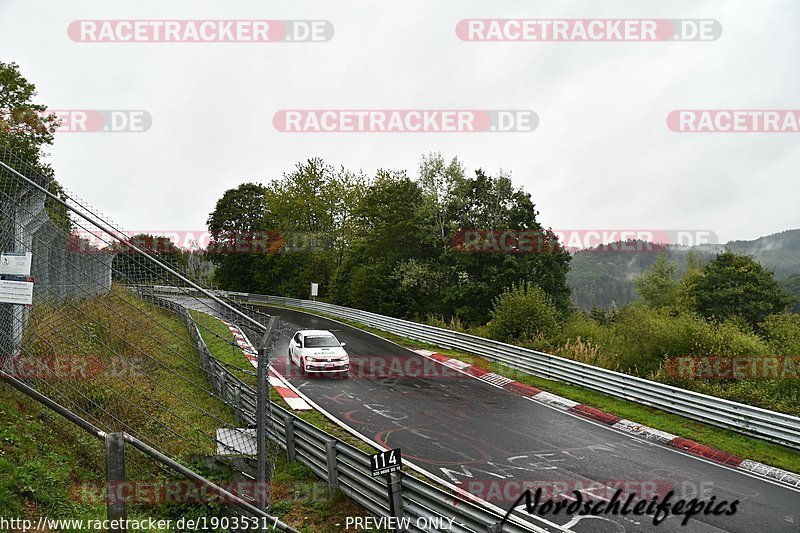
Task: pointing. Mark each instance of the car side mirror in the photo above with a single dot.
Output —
(344, 344)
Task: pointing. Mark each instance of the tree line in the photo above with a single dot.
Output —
(389, 243)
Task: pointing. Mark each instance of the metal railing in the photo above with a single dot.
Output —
(344, 466)
(755, 421)
(115, 464)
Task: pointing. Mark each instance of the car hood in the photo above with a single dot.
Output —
(325, 352)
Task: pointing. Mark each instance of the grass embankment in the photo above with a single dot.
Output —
(719, 438)
(149, 377)
(120, 379)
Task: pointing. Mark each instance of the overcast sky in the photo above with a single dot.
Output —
(602, 156)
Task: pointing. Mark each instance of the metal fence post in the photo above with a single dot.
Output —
(116, 493)
(261, 415)
(261, 429)
(333, 475)
(395, 487)
(288, 429)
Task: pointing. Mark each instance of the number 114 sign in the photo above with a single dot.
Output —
(386, 462)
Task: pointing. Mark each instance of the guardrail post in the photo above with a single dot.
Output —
(288, 429)
(116, 492)
(495, 528)
(237, 398)
(333, 475)
(395, 487)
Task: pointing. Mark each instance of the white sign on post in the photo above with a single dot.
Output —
(315, 289)
(15, 263)
(16, 292)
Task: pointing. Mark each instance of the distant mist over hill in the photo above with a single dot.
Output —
(605, 274)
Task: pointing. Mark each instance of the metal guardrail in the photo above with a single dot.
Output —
(344, 466)
(763, 423)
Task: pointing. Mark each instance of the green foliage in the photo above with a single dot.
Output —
(783, 333)
(685, 295)
(792, 286)
(26, 130)
(640, 339)
(129, 267)
(735, 285)
(600, 276)
(523, 312)
(657, 286)
(779, 252)
(385, 244)
(24, 127)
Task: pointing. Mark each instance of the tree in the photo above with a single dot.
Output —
(657, 286)
(685, 294)
(131, 268)
(239, 218)
(792, 286)
(313, 208)
(735, 285)
(391, 229)
(242, 209)
(783, 333)
(439, 181)
(387, 243)
(523, 312)
(26, 129)
(491, 205)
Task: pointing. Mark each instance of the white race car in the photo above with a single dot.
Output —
(316, 350)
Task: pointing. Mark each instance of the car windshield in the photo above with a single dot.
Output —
(326, 341)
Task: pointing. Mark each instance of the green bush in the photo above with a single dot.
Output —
(782, 331)
(580, 324)
(523, 312)
(643, 338)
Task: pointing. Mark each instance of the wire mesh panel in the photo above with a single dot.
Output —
(89, 338)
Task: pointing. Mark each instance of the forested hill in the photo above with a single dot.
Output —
(600, 276)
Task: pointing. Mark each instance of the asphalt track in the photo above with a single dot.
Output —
(490, 442)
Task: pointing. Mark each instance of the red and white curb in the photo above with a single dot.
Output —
(776, 474)
(278, 382)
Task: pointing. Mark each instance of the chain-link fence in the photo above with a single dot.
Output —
(74, 328)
